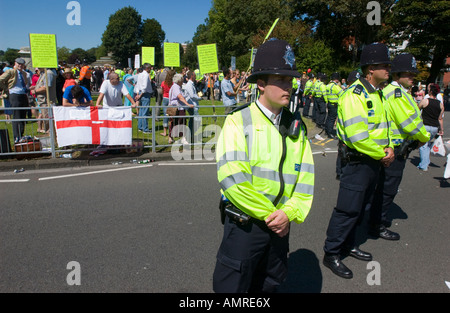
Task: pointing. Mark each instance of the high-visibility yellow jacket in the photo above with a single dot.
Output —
(333, 93)
(260, 170)
(308, 87)
(319, 89)
(406, 120)
(363, 123)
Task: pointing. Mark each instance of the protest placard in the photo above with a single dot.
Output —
(148, 55)
(43, 50)
(171, 54)
(207, 58)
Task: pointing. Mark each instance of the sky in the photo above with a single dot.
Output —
(178, 18)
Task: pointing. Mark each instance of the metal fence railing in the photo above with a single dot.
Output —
(205, 127)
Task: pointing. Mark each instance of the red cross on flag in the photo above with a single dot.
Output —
(91, 125)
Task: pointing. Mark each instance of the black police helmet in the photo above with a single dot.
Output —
(335, 76)
(275, 57)
(376, 53)
(404, 62)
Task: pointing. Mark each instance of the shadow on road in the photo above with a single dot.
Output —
(304, 274)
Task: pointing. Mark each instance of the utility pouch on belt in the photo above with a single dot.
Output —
(406, 147)
(349, 154)
(229, 209)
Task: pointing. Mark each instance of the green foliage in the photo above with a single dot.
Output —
(153, 36)
(123, 33)
(11, 55)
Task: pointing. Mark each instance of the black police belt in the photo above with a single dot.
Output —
(235, 215)
(351, 155)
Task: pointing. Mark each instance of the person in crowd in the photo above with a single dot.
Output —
(98, 78)
(85, 76)
(16, 83)
(192, 98)
(258, 205)
(364, 147)
(433, 119)
(69, 79)
(77, 96)
(333, 93)
(112, 91)
(129, 83)
(228, 92)
(40, 90)
(144, 93)
(165, 88)
(177, 99)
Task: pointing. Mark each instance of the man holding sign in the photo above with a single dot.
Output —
(15, 81)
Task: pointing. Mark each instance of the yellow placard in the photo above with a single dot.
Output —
(207, 58)
(44, 53)
(148, 55)
(171, 54)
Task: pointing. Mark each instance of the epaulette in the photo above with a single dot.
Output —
(358, 89)
(398, 93)
(240, 108)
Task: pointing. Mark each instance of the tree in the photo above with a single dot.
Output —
(231, 24)
(425, 25)
(342, 24)
(123, 34)
(153, 36)
(63, 54)
(11, 55)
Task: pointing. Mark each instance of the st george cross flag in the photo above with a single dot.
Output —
(91, 125)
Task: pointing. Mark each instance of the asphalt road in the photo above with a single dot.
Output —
(155, 228)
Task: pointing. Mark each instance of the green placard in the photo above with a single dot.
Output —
(148, 55)
(207, 58)
(44, 53)
(171, 54)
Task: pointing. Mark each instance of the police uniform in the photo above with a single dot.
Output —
(263, 165)
(320, 105)
(364, 134)
(406, 130)
(333, 93)
(308, 91)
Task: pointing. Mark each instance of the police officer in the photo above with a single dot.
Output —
(320, 105)
(333, 93)
(308, 94)
(407, 133)
(365, 146)
(266, 173)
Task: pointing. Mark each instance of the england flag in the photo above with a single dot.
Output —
(93, 125)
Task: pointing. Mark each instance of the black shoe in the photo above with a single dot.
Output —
(331, 136)
(382, 232)
(359, 254)
(334, 263)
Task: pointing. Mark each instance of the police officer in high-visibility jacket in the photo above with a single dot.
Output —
(320, 105)
(333, 93)
(308, 94)
(364, 146)
(407, 132)
(266, 173)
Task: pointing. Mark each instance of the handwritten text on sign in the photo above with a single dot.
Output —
(207, 58)
(43, 50)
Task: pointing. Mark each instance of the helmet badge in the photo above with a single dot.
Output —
(289, 56)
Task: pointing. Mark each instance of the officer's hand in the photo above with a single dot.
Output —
(389, 158)
(278, 222)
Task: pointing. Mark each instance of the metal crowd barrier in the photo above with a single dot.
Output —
(209, 124)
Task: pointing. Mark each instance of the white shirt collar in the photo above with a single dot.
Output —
(398, 85)
(275, 119)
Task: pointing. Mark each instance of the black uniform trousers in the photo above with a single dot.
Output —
(357, 185)
(307, 106)
(18, 101)
(387, 188)
(251, 258)
(321, 111)
(331, 118)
